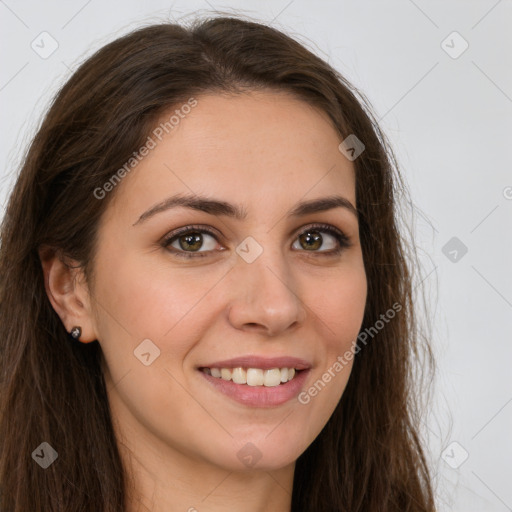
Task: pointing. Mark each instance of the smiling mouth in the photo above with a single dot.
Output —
(253, 376)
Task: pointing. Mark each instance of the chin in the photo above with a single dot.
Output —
(253, 453)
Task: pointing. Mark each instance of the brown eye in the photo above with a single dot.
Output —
(311, 240)
(188, 242)
(191, 242)
(314, 238)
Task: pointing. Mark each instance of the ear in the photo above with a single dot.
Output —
(68, 292)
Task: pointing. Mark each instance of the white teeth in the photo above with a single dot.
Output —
(239, 376)
(253, 376)
(272, 377)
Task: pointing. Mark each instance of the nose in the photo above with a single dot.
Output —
(266, 298)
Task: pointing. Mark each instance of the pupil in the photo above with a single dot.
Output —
(312, 240)
(190, 240)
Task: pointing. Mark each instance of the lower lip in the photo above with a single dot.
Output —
(259, 396)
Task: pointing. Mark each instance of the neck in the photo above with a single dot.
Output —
(171, 481)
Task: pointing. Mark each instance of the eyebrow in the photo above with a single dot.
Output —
(216, 207)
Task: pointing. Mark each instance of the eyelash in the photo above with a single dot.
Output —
(342, 239)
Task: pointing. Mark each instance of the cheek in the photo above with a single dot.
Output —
(339, 304)
(147, 296)
(154, 302)
(143, 297)
(338, 307)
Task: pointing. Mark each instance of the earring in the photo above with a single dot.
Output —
(76, 332)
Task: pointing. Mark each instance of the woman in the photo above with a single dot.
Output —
(205, 299)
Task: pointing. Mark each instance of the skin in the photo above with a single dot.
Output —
(177, 435)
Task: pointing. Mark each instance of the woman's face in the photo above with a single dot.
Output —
(253, 286)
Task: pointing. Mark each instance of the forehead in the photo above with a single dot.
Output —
(260, 149)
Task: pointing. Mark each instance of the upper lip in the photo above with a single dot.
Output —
(265, 363)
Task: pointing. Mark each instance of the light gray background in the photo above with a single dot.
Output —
(449, 121)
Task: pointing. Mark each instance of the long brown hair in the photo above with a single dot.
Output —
(369, 456)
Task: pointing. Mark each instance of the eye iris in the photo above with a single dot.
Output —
(313, 241)
(193, 241)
